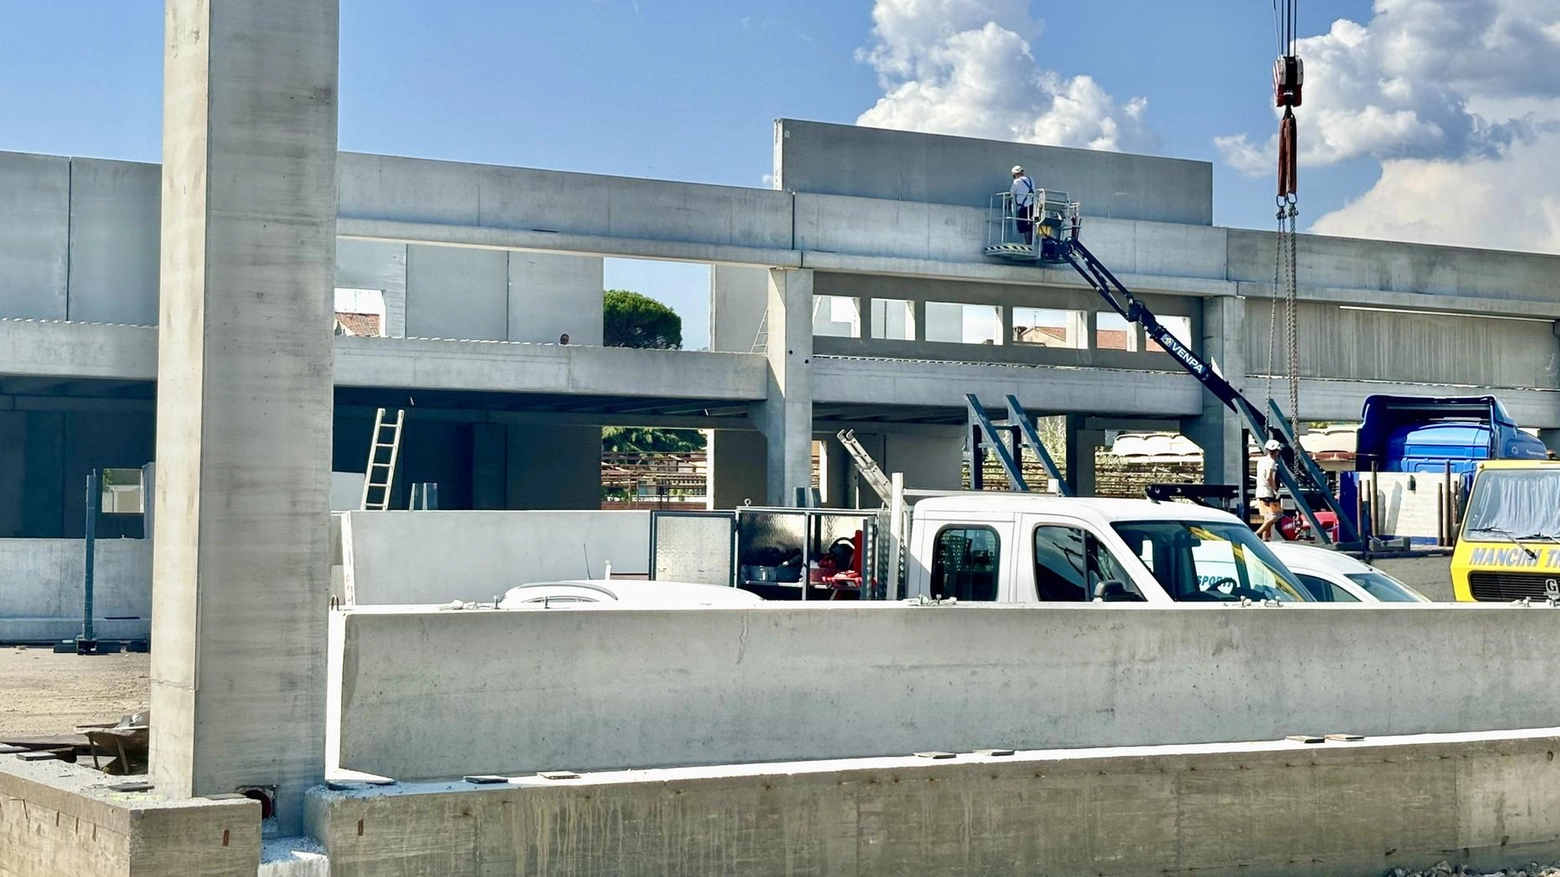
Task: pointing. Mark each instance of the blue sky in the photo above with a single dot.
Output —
(688, 89)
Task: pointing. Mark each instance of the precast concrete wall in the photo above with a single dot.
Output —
(42, 583)
(593, 690)
(831, 159)
(115, 229)
(1410, 348)
(402, 557)
(1270, 809)
(34, 235)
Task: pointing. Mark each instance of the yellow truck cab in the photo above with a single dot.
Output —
(1509, 547)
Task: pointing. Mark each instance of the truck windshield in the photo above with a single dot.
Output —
(1509, 505)
(1210, 561)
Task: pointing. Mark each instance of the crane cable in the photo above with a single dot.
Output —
(1288, 76)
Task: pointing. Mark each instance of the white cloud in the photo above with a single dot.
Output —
(1510, 201)
(964, 67)
(1411, 82)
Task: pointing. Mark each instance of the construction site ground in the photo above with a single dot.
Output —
(43, 694)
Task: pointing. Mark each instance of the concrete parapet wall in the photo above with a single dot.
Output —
(402, 557)
(613, 689)
(1276, 809)
(833, 159)
(42, 581)
(58, 819)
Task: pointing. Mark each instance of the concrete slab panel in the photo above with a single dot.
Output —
(739, 296)
(1396, 347)
(552, 295)
(34, 235)
(831, 159)
(115, 229)
(1320, 811)
(42, 583)
(457, 293)
(436, 557)
(630, 689)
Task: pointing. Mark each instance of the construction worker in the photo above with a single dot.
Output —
(1267, 490)
(1023, 203)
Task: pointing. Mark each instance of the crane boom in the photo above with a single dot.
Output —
(1299, 473)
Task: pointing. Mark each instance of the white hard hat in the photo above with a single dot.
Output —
(1018, 168)
(1272, 445)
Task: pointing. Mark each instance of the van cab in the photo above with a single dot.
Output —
(1026, 548)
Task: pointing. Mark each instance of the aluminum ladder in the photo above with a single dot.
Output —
(870, 471)
(381, 472)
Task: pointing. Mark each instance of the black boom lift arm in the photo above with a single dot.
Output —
(1299, 472)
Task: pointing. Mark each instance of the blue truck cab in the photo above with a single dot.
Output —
(1423, 434)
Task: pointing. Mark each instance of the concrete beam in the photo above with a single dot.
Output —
(244, 414)
(1040, 389)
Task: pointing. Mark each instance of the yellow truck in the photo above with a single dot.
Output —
(1509, 546)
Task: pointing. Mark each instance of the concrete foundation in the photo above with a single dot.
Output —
(1278, 809)
(244, 371)
(58, 819)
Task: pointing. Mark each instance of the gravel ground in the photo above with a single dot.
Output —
(43, 694)
(1445, 870)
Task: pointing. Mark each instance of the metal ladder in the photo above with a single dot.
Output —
(870, 471)
(376, 493)
(761, 340)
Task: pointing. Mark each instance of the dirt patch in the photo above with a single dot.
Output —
(43, 693)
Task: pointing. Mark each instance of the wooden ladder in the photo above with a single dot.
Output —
(381, 471)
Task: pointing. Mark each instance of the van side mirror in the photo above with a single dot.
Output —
(1115, 591)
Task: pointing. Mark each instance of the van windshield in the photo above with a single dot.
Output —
(1200, 561)
(1512, 504)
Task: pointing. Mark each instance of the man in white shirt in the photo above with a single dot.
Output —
(1267, 489)
(1023, 203)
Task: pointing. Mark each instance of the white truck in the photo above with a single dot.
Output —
(1025, 548)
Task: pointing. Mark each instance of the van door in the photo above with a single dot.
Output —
(967, 561)
(1065, 560)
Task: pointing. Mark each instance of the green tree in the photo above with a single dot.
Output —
(634, 320)
(648, 440)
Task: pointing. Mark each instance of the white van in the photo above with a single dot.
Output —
(1025, 548)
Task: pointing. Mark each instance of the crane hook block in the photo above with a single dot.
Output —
(1288, 77)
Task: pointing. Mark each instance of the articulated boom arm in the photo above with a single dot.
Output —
(1299, 473)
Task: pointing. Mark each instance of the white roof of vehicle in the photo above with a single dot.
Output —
(1301, 557)
(1102, 511)
(625, 594)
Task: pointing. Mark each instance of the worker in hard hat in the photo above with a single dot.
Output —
(1023, 203)
(1267, 489)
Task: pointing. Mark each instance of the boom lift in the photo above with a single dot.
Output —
(1055, 240)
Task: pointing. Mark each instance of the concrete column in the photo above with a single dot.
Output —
(1217, 430)
(834, 473)
(554, 467)
(241, 575)
(489, 471)
(1081, 444)
(785, 418)
(734, 468)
